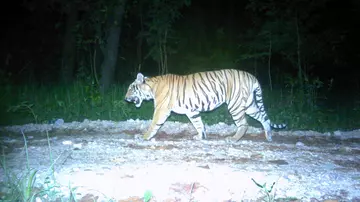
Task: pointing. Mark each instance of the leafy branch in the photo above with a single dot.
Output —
(24, 106)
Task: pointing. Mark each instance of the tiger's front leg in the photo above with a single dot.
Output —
(158, 120)
(195, 119)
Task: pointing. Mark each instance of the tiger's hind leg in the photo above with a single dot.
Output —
(195, 119)
(238, 115)
(260, 115)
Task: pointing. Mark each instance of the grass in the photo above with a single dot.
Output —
(23, 187)
(42, 104)
(268, 196)
(26, 187)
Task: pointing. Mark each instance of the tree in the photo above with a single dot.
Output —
(68, 49)
(111, 48)
(160, 18)
(286, 25)
(102, 26)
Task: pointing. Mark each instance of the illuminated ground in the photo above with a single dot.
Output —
(101, 159)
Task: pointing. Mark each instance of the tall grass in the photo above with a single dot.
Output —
(23, 187)
(42, 104)
(71, 103)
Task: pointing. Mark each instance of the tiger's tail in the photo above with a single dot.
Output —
(262, 115)
(278, 126)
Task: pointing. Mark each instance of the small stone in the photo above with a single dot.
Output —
(59, 122)
(337, 133)
(77, 146)
(67, 142)
(300, 144)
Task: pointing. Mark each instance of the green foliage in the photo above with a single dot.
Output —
(147, 196)
(5, 77)
(284, 20)
(301, 110)
(281, 34)
(23, 188)
(270, 197)
(72, 103)
(311, 108)
(25, 107)
(20, 188)
(159, 34)
(27, 186)
(216, 59)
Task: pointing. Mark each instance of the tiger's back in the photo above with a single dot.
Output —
(203, 91)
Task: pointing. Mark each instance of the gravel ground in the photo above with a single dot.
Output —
(102, 160)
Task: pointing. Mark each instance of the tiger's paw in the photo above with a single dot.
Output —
(149, 138)
(198, 138)
(268, 136)
(231, 139)
(138, 137)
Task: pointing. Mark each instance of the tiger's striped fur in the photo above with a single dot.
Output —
(199, 92)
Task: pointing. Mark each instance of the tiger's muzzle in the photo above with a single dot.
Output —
(135, 100)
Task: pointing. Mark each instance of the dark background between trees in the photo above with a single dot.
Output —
(309, 48)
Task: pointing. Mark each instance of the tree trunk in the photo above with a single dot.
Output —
(140, 41)
(68, 50)
(269, 61)
(111, 48)
(299, 65)
(230, 24)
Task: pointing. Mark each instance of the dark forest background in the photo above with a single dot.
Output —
(73, 59)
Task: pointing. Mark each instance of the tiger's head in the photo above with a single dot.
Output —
(139, 91)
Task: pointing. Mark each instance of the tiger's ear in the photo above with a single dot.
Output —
(140, 78)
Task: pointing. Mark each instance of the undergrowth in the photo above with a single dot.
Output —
(25, 186)
(42, 104)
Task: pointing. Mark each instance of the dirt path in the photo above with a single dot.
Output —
(104, 161)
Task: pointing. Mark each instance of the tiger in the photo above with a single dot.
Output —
(200, 92)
